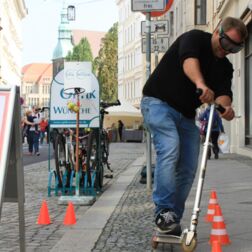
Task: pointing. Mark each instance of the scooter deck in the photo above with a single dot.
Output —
(165, 238)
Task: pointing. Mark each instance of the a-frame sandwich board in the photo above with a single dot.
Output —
(11, 158)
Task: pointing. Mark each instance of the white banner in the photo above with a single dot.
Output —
(62, 117)
(77, 75)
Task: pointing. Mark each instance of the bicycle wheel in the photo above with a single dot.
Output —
(93, 162)
(60, 160)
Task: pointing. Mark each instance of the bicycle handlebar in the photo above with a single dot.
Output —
(109, 104)
(44, 108)
(219, 107)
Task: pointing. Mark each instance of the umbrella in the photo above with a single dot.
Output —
(131, 116)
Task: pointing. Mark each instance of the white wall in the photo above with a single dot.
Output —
(11, 14)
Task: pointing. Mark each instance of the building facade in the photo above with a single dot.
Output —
(37, 77)
(11, 14)
(36, 83)
(131, 63)
(183, 16)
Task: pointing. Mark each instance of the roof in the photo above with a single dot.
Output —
(93, 37)
(37, 72)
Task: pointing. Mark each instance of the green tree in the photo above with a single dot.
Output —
(81, 52)
(106, 65)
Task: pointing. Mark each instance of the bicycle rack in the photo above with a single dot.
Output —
(86, 189)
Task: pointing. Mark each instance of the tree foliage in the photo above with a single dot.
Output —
(106, 65)
(81, 52)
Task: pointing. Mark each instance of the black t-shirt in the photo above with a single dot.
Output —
(169, 83)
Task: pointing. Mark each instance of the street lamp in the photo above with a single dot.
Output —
(71, 13)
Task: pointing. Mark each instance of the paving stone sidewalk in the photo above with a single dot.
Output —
(43, 238)
(130, 227)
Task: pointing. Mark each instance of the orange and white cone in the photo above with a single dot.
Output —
(211, 206)
(216, 246)
(219, 232)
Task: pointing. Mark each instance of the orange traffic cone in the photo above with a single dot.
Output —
(70, 215)
(44, 218)
(219, 232)
(211, 206)
(216, 246)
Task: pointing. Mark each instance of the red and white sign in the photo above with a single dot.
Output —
(4, 104)
(160, 13)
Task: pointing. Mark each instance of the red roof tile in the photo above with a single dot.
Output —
(37, 72)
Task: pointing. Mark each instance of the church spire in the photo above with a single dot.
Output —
(64, 44)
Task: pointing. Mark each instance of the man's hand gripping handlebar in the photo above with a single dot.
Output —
(217, 106)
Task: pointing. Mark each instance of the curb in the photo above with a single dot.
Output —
(83, 236)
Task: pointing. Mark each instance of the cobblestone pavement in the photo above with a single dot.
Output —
(43, 238)
(130, 227)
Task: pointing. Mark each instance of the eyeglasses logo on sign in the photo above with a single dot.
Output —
(68, 96)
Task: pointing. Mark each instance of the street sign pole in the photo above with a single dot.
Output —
(156, 51)
(148, 7)
(148, 72)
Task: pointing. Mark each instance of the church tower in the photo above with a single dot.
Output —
(64, 44)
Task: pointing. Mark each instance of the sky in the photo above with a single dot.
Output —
(40, 26)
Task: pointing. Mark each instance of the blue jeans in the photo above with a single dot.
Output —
(177, 142)
(42, 136)
(33, 141)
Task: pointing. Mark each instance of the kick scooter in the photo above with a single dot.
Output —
(188, 238)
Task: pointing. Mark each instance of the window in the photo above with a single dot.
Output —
(248, 88)
(200, 12)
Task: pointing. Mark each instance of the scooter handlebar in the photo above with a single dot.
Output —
(199, 92)
(220, 108)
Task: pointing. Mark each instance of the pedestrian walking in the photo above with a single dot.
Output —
(196, 60)
(36, 119)
(28, 120)
(43, 125)
(120, 130)
(33, 131)
(217, 128)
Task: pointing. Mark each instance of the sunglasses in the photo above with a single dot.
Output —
(228, 44)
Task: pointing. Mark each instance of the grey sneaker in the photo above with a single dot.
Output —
(166, 223)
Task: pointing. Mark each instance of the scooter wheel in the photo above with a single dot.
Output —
(154, 244)
(191, 247)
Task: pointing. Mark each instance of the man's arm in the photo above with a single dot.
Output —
(226, 102)
(191, 67)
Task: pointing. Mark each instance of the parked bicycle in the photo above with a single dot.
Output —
(65, 159)
(98, 148)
